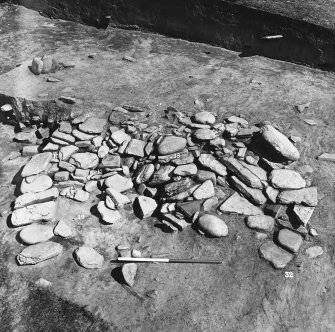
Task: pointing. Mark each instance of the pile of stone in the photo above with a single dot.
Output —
(179, 172)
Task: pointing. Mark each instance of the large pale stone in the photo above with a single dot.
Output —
(144, 206)
(290, 240)
(204, 117)
(280, 143)
(239, 205)
(253, 195)
(206, 190)
(67, 151)
(119, 183)
(62, 229)
(92, 126)
(277, 256)
(186, 170)
(171, 144)
(204, 134)
(261, 223)
(135, 148)
(84, 160)
(36, 233)
(39, 252)
(212, 225)
(286, 179)
(120, 136)
(209, 161)
(37, 164)
(107, 215)
(306, 196)
(34, 213)
(39, 183)
(37, 66)
(129, 273)
(89, 258)
(36, 198)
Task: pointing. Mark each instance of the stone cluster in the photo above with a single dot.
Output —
(179, 173)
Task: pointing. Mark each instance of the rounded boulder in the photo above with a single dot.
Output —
(212, 225)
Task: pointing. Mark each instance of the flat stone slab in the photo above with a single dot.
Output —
(286, 179)
(39, 252)
(306, 196)
(37, 164)
(34, 213)
(277, 256)
(36, 184)
(93, 126)
(171, 144)
(240, 205)
(261, 223)
(36, 233)
(36, 198)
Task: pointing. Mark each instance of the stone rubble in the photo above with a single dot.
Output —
(180, 173)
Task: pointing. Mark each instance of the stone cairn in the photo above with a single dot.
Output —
(179, 173)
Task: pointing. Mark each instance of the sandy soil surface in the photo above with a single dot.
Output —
(243, 294)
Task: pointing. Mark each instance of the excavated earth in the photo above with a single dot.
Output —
(245, 293)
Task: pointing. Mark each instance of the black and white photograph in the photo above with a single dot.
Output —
(167, 166)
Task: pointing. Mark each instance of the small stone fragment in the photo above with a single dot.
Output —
(62, 176)
(89, 258)
(129, 271)
(314, 252)
(310, 122)
(30, 150)
(163, 175)
(81, 136)
(68, 138)
(136, 253)
(111, 161)
(210, 203)
(120, 136)
(68, 100)
(212, 225)
(327, 157)
(271, 194)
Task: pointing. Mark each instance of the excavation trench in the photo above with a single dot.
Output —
(222, 23)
